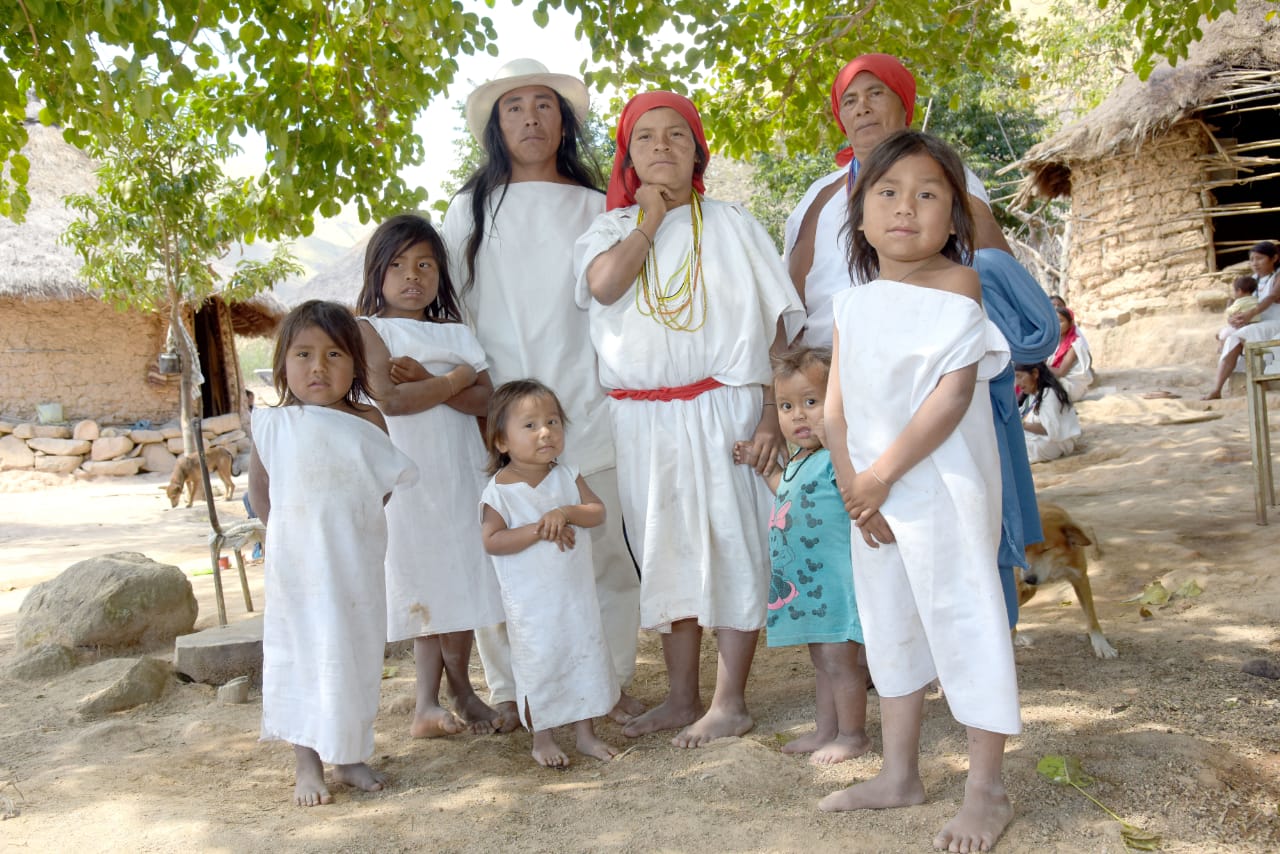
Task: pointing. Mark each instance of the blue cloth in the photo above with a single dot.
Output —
(811, 597)
(1017, 304)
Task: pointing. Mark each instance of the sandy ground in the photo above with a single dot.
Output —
(1180, 741)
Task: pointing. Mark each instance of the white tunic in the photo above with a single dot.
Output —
(439, 578)
(1078, 379)
(1265, 326)
(930, 603)
(559, 655)
(829, 274)
(1061, 424)
(324, 628)
(696, 522)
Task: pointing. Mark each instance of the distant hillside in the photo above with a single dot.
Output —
(338, 280)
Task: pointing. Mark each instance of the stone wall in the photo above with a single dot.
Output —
(93, 360)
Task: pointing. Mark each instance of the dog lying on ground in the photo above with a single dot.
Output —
(1061, 557)
(186, 473)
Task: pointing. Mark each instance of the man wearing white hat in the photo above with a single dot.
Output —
(510, 232)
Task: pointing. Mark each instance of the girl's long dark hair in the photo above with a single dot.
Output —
(338, 323)
(391, 239)
(1045, 382)
(571, 162)
(864, 262)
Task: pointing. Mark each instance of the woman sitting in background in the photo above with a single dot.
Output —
(1049, 420)
(1071, 362)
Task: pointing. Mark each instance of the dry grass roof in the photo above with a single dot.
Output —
(1236, 60)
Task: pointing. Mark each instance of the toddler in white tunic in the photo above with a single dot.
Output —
(531, 511)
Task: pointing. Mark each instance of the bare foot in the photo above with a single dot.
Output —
(505, 717)
(589, 744)
(806, 743)
(983, 816)
(716, 723)
(626, 710)
(1213, 395)
(547, 752)
(667, 715)
(359, 775)
(433, 723)
(878, 793)
(476, 715)
(309, 789)
(841, 749)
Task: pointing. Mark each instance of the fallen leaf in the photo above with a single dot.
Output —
(1144, 612)
(1138, 839)
(1190, 590)
(389, 671)
(1064, 770)
(1154, 594)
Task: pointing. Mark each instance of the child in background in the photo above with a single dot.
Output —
(909, 426)
(427, 375)
(1072, 363)
(531, 512)
(1049, 420)
(1244, 291)
(322, 468)
(811, 599)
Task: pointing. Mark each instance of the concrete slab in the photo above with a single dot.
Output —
(217, 655)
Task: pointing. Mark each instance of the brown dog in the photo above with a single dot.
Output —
(186, 472)
(1061, 558)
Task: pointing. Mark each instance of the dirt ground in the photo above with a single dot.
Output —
(1179, 740)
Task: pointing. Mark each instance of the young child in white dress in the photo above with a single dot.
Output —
(427, 373)
(531, 512)
(321, 470)
(909, 426)
(1050, 424)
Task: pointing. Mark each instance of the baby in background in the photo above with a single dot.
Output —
(811, 596)
(1244, 289)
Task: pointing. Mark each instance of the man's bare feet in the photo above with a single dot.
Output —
(547, 752)
(506, 717)
(1213, 395)
(626, 710)
(666, 715)
(309, 789)
(589, 744)
(841, 749)
(716, 723)
(878, 793)
(983, 816)
(434, 723)
(476, 715)
(359, 775)
(806, 743)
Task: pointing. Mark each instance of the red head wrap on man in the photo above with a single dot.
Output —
(890, 71)
(624, 182)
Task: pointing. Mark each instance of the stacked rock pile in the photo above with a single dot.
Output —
(86, 449)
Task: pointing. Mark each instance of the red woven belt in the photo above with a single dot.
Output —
(684, 392)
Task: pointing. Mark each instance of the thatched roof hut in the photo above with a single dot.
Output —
(59, 343)
(1170, 181)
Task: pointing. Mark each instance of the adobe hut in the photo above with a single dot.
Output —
(1170, 181)
(60, 344)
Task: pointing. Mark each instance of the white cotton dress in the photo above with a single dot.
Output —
(930, 603)
(697, 523)
(324, 628)
(1061, 424)
(559, 656)
(439, 578)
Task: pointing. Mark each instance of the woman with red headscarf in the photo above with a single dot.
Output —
(686, 298)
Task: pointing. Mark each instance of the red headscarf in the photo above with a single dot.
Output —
(1064, 344)
(890, 71)
(624, 182)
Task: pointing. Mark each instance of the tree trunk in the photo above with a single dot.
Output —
(187, 357)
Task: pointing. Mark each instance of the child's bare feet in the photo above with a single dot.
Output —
(983, 816)
(716, 723)
(309, 789)
(476, 715)
(359, 775)
(505, 717)
(589, 744)
(841, 748)
(433, 723)
(547, 752)
(878, 793)
(667, 715)
(626, 710)
(806, 743)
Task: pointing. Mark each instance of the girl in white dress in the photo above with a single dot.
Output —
(428, 375)
(1049, 420)
(321, 470)
(531, 512)
(909, 426)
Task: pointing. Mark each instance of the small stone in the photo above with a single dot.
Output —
(113, 432)
(1263, 667)
(235, 692)
(129, 682)
(87, 430)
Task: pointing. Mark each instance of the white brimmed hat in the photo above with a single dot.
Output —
(513, 75)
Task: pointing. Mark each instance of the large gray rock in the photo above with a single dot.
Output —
(156, 457)
(88, 430)
(42, 662)
(220, 424)
(144, 437)
(122, 683)
(57, 464)
(126, 467)
(118, 600)
(60, 447)
(110, 447)
(28, 430)
(14, 454)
